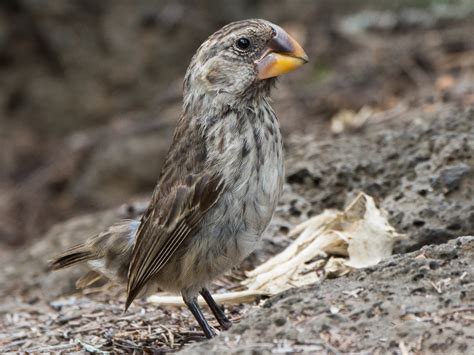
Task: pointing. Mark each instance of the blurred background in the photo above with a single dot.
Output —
(91, 90)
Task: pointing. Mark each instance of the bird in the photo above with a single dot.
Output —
(220, 182)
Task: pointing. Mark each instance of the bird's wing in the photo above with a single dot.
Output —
(171, 217)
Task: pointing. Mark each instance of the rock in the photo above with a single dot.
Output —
(420, 301)
(450, 177)
(421, 174)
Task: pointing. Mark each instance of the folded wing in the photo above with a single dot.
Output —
(170, 219)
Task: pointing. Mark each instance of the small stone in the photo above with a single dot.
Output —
(450, 178)
(280, 321)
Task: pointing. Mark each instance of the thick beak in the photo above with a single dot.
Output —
(283, 55)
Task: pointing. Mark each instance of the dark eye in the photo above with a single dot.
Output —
(243, 43)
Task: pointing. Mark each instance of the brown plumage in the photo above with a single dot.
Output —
(220, 182)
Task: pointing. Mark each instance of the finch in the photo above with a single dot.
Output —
(220, 182)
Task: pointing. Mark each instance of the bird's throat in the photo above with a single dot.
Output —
(200, 102)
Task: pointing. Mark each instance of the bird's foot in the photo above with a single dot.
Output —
(224, 322)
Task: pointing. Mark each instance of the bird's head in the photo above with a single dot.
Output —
(241, 61)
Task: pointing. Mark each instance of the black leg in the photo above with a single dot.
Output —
(216, 310)
(197, 313)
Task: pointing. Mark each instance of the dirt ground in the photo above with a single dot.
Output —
(386, 107)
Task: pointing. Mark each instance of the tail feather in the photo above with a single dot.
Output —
(75, 255)
(88, 279)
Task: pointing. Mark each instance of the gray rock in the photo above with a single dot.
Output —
(422, 301)
(450, 177)
(421, 174)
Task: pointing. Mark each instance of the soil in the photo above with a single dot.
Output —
(64, 175)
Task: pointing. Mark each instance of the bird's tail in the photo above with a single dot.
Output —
(108, 254)
(75, 255)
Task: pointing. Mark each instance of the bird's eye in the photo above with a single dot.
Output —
(243, 43)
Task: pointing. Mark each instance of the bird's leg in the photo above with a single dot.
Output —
(197, 313)
(216, 310)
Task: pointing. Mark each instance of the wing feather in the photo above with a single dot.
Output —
(170, 219)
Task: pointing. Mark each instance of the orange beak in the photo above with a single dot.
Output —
(283, 55)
